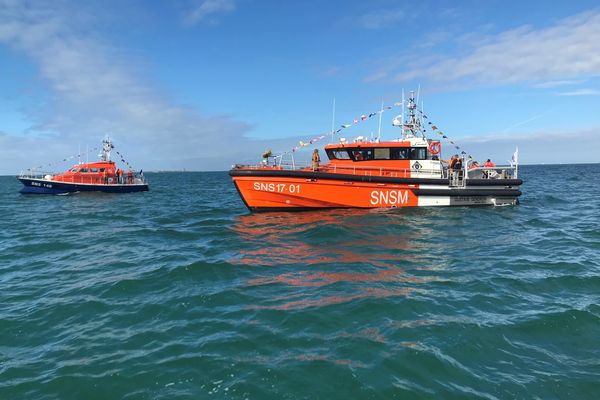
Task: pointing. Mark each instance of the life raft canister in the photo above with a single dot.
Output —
(434, 148)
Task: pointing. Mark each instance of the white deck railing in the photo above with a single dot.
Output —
(88, 179)
(505, 172)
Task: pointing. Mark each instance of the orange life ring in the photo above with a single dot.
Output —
(434, 148)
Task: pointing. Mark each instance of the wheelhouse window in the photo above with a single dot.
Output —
(381, 153)
(83, 170)
(361, 154)
(418, 153)
(338, 154)
(400, 153)
(93, 169)
(74, 169)
(102, 169)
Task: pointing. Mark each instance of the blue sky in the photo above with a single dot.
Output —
(204, 84)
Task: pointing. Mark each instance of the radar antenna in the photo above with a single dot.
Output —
(412, 127)
(107, 146)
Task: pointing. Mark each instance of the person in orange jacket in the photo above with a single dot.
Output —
(489, 164)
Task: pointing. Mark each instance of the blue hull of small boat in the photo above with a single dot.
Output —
(41, 186)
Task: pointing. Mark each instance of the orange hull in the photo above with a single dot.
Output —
(282, 193)
(314, 190)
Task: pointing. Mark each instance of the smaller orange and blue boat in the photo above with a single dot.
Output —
(101, 176)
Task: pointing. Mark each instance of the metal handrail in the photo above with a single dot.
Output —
(387, 171)
(136, 179)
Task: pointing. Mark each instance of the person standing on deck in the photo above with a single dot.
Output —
(316, 159)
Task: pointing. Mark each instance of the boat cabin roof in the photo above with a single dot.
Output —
(92, 167)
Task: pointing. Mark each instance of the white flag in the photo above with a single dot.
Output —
(515, 157)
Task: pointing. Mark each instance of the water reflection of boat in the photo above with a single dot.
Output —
(310, 237)
(406, 172)
(309, 253)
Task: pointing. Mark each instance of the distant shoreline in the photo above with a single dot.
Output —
(188, 171)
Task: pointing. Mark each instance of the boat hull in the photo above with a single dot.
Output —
(272, 190)
(43, 186)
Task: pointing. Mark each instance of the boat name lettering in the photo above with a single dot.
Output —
(389, 197)
(276, 187)
(39, 184)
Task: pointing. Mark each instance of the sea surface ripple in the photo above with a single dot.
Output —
(181, 293)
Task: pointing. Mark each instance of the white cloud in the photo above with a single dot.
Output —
(581, 92)
(95, 89)
(570, 146)
(553, 84)
(205, 10)
(567, 50)
(381, 18)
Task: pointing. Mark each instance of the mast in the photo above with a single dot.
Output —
(333, 121)
(380, 114)
(412, 126)
(107, 146)
(402, 108)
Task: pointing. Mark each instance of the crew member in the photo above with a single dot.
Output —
(130, 176)
(452, 162)
(489, 164)
(457, 163)
(316, 159)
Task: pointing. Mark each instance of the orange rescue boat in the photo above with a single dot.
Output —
(405, 172)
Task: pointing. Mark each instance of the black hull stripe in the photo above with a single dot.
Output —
(366, 178)
(468, 192)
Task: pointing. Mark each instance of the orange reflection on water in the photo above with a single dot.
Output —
(287, 238)
(292, 239)
(337, 299)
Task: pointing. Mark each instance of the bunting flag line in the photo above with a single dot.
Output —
(64, 159)
(123, 160)
(443, 135)
(364, 117)
(355, 121)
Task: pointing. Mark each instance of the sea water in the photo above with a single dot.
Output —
(181, 293)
